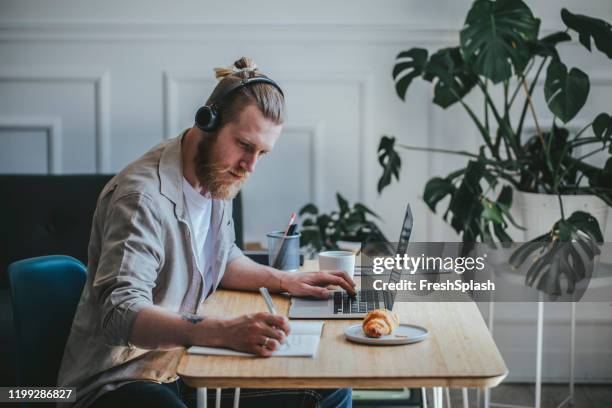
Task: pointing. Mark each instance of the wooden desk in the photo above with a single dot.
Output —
(459, 352)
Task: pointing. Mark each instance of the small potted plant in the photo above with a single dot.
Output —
(327, 231)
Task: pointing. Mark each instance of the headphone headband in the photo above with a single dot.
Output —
(207, 117)
(243, 83)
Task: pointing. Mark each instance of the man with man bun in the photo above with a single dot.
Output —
(162, 241)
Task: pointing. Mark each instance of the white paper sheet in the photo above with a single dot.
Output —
(302, 342)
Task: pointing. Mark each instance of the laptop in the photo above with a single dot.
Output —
(340, 305)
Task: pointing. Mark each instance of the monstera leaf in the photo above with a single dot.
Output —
(453, 78)
(408, 65)
(565, 92)
(389, 160)
(495, 37)
(547, 46)
(563, 252)
(496, 215)
(465, 204)
(590, 28)
(601, 181)
(602, 126)
(435, 190)
(586, 223)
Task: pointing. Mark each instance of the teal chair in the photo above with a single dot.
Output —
(45, 292)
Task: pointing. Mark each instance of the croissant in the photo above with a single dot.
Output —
(380, 322)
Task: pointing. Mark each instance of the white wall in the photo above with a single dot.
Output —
(89, 86)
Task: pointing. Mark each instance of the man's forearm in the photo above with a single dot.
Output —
(157, 328)
(246, 274)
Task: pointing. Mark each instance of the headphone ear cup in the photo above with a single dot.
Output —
(206, 118)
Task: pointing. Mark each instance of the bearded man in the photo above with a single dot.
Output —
(162, 241)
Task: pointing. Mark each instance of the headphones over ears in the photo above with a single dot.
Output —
(207, 118)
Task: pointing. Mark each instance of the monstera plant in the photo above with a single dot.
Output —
(500, 50)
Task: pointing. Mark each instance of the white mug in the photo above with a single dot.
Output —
(337, 260)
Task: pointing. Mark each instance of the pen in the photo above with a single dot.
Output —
(268, 299)
(266, 295)
(291, 219)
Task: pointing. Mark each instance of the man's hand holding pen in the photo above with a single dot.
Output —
(258, 333)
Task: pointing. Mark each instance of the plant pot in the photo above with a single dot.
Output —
(538, 212)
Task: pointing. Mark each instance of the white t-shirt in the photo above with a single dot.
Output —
(199, 208)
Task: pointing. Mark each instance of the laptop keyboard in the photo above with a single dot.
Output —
(363, 302)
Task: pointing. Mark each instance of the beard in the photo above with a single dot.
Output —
(213, 175)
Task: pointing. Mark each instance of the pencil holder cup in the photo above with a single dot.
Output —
(284, 251)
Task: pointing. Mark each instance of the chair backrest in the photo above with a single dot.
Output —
(45, 292)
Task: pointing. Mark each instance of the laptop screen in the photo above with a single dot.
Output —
(404, 238)
(402, 248)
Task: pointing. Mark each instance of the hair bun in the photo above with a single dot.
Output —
(245, 63)
(242, 67)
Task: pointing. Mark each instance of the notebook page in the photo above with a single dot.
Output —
(302, 342)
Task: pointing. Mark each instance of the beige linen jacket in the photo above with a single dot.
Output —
(140, 254)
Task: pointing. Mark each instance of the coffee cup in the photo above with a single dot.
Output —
(337, 260)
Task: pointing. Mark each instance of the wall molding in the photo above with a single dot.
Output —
(51, 125)
(170, 81)
(229, 31)
(315, 136)
(336, 31)
(101, 83)
(361, 79)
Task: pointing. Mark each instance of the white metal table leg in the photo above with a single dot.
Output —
(447, 392)
(572, 352)
(539, 356)
(437, 397)
(436, 401)
(424, 396)
(491, 320)
(236, 397)
(464, 392)
(201, 397)
(538, 385)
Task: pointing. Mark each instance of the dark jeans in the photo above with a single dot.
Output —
(178, 395)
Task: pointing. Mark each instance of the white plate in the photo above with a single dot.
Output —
(404, 334)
